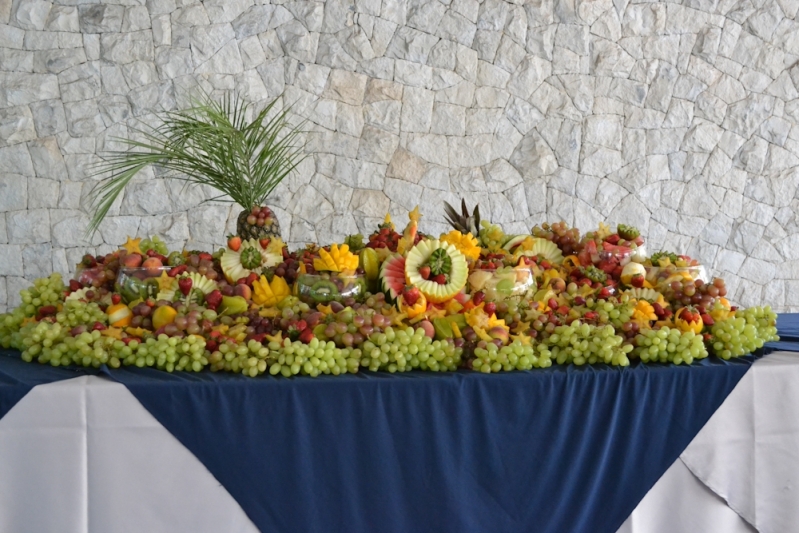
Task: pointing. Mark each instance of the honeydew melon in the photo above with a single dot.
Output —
(456, 279)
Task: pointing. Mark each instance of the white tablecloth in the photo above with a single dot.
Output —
(84, 456)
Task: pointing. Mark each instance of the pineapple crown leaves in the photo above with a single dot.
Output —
(212, 143)
(463, 222)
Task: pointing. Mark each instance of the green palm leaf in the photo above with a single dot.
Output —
(212, 143)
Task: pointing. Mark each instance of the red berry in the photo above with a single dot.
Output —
(115, 299)
(424, 272)
(441, 279)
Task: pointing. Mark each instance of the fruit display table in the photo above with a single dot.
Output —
(562, 449)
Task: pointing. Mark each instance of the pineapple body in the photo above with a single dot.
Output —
(269, 230)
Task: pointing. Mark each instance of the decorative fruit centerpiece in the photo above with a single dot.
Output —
(212, 143)
(474, 298)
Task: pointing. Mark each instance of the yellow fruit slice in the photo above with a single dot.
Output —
(164, 315)
(370, 263)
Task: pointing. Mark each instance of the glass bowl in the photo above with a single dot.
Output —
(661, 276)
(135, 283)
(503, 283)
(96, 276)
(323, 288)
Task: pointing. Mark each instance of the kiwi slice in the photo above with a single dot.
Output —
(324, 291)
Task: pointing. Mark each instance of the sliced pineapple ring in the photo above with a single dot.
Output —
(434, 292)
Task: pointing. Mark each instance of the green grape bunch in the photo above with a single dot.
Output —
(404, 349)
(669, 345)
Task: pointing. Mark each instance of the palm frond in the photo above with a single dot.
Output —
(211, 143)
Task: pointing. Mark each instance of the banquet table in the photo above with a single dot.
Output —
(650, 449)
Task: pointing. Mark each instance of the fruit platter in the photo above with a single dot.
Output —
(474, 298)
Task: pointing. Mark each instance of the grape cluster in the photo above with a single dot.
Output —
(515, 356)
(697, 292)
(565, 237)
(155, 244)
(312, 359)
(669, 345)
(250, 358)
(44, 292)
(491, 236)
(76, 313)
(404, 349)
(581, 343)
(165, 353)
(744, 333)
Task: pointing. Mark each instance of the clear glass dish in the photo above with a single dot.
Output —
(135, 283)
(660, 276)
(329, 287)
(503, 283)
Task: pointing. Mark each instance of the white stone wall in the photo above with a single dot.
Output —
(682, 119)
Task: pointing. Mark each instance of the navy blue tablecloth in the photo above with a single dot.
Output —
(563, 449)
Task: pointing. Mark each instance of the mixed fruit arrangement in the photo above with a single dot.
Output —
(473, 298)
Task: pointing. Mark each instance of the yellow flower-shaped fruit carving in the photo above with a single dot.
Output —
(338, 259)
(643, 313)
(467, 244)
(688, 319)
(270, 294)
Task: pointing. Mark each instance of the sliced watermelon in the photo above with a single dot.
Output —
(392, 275)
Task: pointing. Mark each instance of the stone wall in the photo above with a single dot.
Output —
(682, 119)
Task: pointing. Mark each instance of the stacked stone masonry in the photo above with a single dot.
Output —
(679, 118)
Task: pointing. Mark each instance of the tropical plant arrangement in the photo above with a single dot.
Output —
(396, 301)
(212, 143)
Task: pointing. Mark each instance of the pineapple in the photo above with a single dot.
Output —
(258, 223)
(465, 223)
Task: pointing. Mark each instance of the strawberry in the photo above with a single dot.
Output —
(234, 243)
(306, 335)
(213, 299)
(441, 279)
(590, 315)
(206, 256)
(604, 293)
(252, 278)
(178, 270)
(264, 242)
(185, 285)
(424, 272)
(708, 320)
(478, 297)
(637, 281)
(75, 285)
(411, 295)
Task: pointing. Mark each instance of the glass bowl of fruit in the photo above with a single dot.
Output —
(143, 282)
(326, 287)
(665, 275)
(504, 283)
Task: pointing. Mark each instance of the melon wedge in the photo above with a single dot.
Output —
(392, 275)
